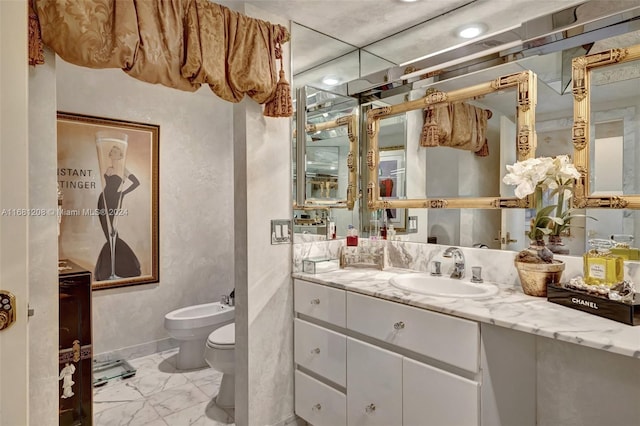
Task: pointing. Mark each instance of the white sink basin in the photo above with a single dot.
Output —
(442, 286)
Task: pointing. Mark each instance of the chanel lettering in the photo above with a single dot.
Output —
(577, 301)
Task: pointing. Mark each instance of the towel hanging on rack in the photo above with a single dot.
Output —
(457, 125)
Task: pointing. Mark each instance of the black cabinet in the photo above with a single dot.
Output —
(75, 356)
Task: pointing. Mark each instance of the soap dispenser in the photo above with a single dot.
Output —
(601, 266)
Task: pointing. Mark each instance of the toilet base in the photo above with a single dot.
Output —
(191, 355)
(226, 394)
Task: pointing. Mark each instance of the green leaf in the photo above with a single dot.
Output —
(545, 211)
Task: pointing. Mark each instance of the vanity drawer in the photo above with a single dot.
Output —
(449, 339)
(320, 302)
(321, 351)
(319, 404)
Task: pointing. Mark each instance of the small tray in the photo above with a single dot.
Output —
(319, 264)
(624, 312)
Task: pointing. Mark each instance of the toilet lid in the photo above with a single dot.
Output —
(223, 336)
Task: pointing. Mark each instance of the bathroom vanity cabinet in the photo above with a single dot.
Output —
(361, 360)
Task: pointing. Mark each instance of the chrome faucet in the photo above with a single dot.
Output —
(458, 261)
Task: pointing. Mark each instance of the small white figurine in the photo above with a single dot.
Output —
(66, 375)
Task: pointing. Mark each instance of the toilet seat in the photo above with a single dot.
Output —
(223, 338)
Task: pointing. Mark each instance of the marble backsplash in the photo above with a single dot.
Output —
(497, 265)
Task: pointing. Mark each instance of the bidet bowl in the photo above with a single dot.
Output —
(429, 285)
(191, 326)
(197, 321)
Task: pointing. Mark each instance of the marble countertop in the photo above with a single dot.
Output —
(510, 308)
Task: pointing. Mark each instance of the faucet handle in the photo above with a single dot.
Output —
(476, 272)
(435, 268)
(224, 299)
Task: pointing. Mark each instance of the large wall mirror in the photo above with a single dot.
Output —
(612, 132)
(458, 176)
(606, 138)
(325, 159)
(458, 158)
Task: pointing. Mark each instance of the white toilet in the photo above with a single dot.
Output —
(191, 326)
(220, 354)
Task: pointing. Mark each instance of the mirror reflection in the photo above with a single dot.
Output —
(327, 157)
(612, 156)
(453, 132)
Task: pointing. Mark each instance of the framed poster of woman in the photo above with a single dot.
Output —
(108, 183)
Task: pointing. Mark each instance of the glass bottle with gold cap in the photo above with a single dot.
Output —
(601, 267)
(622, 247)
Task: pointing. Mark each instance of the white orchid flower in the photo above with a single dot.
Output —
(545, 174)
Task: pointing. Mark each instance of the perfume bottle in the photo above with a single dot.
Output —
(384, 230)
(601, 267)
(352, 236)
(331, 228)
(622, 247)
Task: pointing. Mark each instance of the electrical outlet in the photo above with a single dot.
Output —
(280, 231)
(412, 224)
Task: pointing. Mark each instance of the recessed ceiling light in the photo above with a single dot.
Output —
(471, 30)
(407, 1)
(331, 80)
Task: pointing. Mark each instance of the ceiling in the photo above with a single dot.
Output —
(377, 25)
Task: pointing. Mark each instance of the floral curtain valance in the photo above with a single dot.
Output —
(176, 43)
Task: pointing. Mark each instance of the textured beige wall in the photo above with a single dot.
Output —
(196, 200)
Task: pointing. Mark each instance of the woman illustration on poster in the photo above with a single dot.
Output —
(116, 259)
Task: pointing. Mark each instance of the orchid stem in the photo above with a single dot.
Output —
(559, 208)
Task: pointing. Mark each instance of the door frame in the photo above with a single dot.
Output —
(14, 196)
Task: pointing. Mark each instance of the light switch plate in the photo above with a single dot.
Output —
(412, 224)
(280, 231)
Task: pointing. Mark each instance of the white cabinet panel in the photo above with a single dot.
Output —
(320, 302)
(435, 397)
(321, 351)
(453, 340)
(318, 403)
(374, 385)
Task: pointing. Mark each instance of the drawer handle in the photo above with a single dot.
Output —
(370, 408)
(316, 407)
(399, 325)
(315, 351)
(315, 301)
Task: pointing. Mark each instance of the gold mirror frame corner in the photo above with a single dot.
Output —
(581, 68)
(351, 121)
(525, 83)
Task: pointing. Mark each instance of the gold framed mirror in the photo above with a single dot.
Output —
(604, 135)
(523, 84)
(327, 157)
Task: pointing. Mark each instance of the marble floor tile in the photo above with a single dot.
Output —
(209, 385)
(161, 395)
(155, 382)
(137, 413)
(176, 399)
(114, 394)
(206, 373)
(204, 414)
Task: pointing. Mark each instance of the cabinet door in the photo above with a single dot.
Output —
(320, 350)
(320, 302)
(374, 385)
(436, 397)
(455, 341)
(318, 403)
